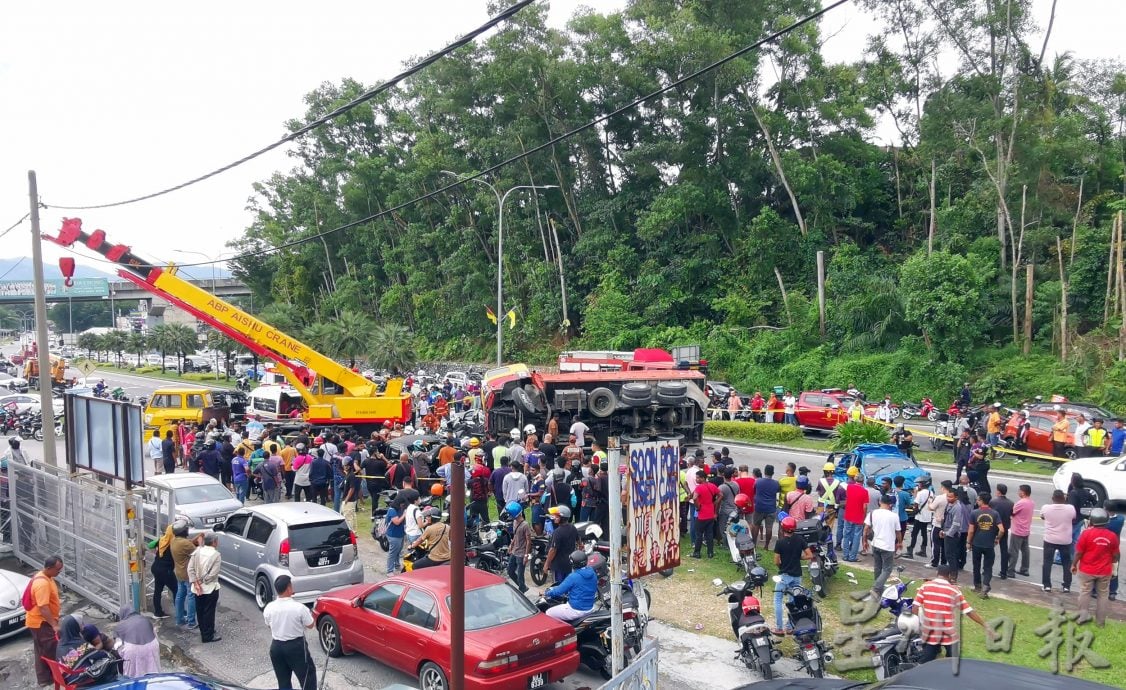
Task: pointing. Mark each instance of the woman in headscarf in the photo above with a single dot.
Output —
(94, 661)
(70, 640)
(163, 570)
(139, 647)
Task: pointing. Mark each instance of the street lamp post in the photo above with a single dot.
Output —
(501, 198)
(214, 278)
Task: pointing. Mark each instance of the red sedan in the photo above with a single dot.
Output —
(404, 622)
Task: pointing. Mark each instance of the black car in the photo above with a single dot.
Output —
(397, 446)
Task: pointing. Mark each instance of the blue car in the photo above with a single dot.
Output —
(878, 460)
(169, 681)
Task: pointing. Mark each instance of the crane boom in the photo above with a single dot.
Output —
(362, 402)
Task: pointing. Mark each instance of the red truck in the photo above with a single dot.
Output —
(636, 406)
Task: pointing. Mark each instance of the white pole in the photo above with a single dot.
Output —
(616, 631)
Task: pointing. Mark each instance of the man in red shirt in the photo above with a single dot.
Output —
(1096, 552)
(855, 511)
(746, 482)
(938, 603)
(706, 499)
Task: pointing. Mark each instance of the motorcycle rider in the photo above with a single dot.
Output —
(436, 534)
(581, 588)
(904, 440)
(788, 555)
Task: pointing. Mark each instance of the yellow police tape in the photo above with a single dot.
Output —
(927, 434)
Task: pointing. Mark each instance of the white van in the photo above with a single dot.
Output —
(275, 402)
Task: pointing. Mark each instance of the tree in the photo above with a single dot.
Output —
(391, 349)
(352, 335)
(82, 315)
(88, 342)
(116, 342)
(137, 343)
(160, 338)
(182, 340)
(221, 343)
(942, 296)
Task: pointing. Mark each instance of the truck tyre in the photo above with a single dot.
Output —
(670, 437)
(536, 396)
(634, 438)
(668, 399)
(636, 389)
(523, 401)
(602, 402)
(672, 388)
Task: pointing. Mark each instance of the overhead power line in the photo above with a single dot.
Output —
(15, 225)
(314, 124)
(547, 144)
(14, 266)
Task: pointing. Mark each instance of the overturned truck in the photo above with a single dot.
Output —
(636, 406)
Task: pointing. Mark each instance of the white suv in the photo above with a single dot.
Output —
(1103, 477)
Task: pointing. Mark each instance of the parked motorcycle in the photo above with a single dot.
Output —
(899, 645)
(819, 538)
(756, 646)
(491, 554)
(379, 520)
(812, 652)
(635, 597)
(119, 395)
(539, 557)
(242, 384)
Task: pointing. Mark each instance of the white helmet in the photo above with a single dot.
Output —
(908, 624)
(529, 429)
(408, 430)
(514, 434)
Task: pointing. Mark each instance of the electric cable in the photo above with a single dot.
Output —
(508, 13)
(18, 262)
(16, 224)
(547, 144)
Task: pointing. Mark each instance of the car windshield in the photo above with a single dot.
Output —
(879, 464)
(201, 493)
(495, 605)
(319, 535)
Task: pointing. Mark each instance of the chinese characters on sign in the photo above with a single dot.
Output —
(653, 517)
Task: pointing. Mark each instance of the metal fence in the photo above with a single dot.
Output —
(80, 519)
(639, 675)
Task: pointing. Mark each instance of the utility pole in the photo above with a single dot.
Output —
(45, 378)
(614, 458)
(457, 575)
(821, 290)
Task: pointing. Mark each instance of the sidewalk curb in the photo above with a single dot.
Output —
(219, 383)
(925, 465)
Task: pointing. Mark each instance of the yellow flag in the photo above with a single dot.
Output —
(492, 316)
(511, 316)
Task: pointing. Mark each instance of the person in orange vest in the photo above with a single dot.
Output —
(441, 407)
(430, 423)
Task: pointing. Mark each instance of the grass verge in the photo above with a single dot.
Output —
(686, 600)
(214, 380)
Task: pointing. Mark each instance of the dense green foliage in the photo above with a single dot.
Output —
(851, 434)
(675, 224)
(753, 431)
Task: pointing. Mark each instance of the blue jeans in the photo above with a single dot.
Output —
(337, 493)
(784, 583)
(242, 488)
(185, 604)
(394, 554)
(851, 541)
(791, 419)
(584, 513)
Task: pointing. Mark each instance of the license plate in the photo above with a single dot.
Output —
(631, 626)
(877, 660)
(537, 681)
(811, 654)
(761, 641)
(323, 561)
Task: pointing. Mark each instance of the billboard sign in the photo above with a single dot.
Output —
(105, 437)
(653, 512)
(55, 289)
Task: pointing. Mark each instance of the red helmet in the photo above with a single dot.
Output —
(742, 501)
(789, 524)
(751, 605)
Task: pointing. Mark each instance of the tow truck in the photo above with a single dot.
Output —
(334, 394)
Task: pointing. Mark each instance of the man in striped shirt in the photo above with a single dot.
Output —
(936, 603)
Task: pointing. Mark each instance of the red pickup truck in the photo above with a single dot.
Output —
(822, 410)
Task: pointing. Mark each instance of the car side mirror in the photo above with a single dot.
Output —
(834, 406)
(357, 602)
(217, 527)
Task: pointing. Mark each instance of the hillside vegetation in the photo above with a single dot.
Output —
(697, 217)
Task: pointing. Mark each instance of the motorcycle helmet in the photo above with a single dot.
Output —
(474, 442)
(829, 467)
(563, 512)
(418, 445)
(908, 624)
(759, 575)
(529, 429)
(1039, 398)
(742, 501)
(558, 475)
(514, 434)
(180, 527)
(899, 428)
(433, 514)
(598, 562)
(578, 559)
(300, 447)
(408, 430)
(802, 483)
(14, 442)
(751, 605)
(437, 489)
(387, 424)
(1099, 517)
(789, 524)
(513, 509)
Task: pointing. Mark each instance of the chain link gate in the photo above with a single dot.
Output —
(83, 520)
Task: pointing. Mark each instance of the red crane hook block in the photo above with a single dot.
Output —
(66, 266)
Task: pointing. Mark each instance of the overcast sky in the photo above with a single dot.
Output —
(112, 100)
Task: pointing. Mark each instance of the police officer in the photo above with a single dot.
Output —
(289, 654)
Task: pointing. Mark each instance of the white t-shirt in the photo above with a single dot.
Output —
(1081, 434)
(287, 619)
(884, 524)
(925, 515)
(410, 524)
(788, 404)
(155, 449)
(580, 429)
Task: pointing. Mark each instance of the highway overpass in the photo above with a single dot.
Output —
(98, 289)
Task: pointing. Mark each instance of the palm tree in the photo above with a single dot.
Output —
(351, 333)
(221, 343)
(137, 344)
(182, 340)
(395, 351)
(116, 342)
(321, 336)
(161, 338)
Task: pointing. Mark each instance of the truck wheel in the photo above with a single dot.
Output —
(670, 437)
(536, 396)
(523, 401)
(634, 438)
(602, 402)
(673, 400)
(636, 390)
(635, 402)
